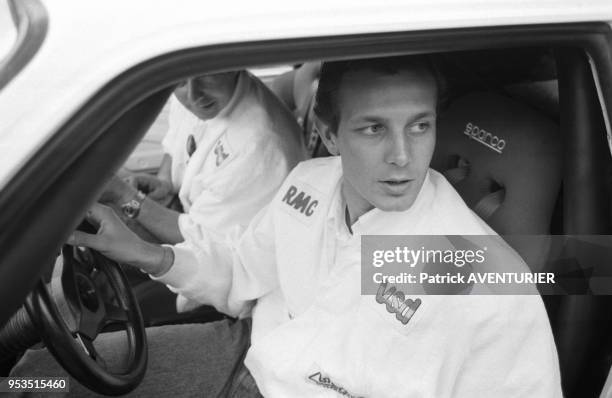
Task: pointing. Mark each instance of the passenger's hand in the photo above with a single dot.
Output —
(117, 192)
(117, 242)
(154, 187)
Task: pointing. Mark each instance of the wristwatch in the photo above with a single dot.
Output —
(131, 209)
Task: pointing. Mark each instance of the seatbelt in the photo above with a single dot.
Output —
(454, 176)
(486, 206)
(305, 119)
(489, 204)
(311, 135)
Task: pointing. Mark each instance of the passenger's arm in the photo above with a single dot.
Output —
(155, 218)
(165, 169)
(159, 187)
(230, 196)
(160, 221)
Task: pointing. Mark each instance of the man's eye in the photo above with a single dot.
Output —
(420, 127)
(374, 129)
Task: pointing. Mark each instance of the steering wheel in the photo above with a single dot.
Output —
(87, 293)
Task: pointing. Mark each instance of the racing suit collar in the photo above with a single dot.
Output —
(379, 222)
(242, 88)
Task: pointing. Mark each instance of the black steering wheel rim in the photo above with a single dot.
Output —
(70, 339)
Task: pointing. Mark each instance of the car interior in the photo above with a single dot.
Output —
(521, 135)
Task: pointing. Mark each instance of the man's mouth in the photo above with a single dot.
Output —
(396, 186)
(204, 102)
(206, 105)
(397, 181)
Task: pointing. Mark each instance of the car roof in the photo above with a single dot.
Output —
(90, 42)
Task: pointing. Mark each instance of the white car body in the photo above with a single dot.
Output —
(89, 43)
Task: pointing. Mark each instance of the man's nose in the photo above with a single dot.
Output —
(191, 91)
(185, 91)
(398, 149)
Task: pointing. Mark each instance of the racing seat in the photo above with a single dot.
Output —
(297, 90)
(504, 159)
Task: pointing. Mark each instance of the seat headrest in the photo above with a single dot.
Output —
(504, 159)
(306, 82)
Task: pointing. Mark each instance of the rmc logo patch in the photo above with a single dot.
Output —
(300, 201)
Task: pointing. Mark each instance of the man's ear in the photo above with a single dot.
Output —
(327, 136)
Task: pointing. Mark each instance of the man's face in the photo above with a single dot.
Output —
(205, 96)
(386, 136)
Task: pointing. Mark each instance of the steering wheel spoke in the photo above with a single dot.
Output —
(90, 349)
(115, 314)
(93, 292)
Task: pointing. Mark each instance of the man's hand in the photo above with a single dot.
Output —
(156, 188)
(116, 241)
(117, 192)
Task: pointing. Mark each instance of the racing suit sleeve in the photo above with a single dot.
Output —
(230, 196)
(513, 354)
(228, 272)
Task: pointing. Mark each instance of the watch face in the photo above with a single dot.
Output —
(131, 208)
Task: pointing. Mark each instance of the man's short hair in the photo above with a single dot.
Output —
(326, 105)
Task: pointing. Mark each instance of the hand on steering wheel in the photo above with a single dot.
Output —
(116, 241)
(88, 293)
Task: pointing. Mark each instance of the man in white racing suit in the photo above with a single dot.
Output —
(296, 267)
(229, 146)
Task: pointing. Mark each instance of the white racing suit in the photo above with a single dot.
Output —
(227, 168)
(314, 334)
